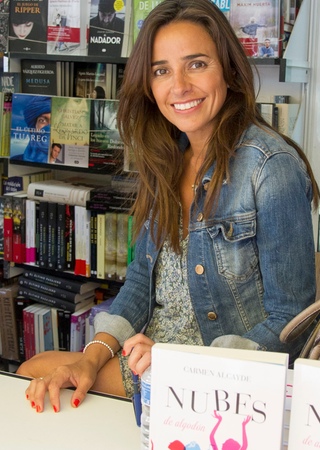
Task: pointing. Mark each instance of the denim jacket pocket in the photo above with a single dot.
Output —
(234, 244)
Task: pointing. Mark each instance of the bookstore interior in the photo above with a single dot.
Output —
(67, 188)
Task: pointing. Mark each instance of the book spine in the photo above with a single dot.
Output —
(110, 245)
(19, 230)
(7, 228)
(1, 226)
(79, 227)
(101, 239)
(52, 235)
(93, 243)
(61, 234)
(43, 234)
(9, 334)
(70, 237)
(49, 290)
(30, 231)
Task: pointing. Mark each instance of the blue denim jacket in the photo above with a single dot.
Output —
(250, 266)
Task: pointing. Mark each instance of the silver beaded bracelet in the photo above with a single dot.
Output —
(102, 343)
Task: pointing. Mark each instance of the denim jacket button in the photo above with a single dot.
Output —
(199, 269)
(199, 217)
(212, 315)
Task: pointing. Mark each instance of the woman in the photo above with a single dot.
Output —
(224, 253)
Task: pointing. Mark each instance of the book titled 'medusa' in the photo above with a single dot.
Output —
(205, 397)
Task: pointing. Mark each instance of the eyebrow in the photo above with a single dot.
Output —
(185, 58)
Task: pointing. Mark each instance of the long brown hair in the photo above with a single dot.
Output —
(154, 140)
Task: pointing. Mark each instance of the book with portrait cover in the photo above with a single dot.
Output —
(106, 147)
(28, 26)
(253, 22)
(68, 23)
(70, 127)
(305, 405)
(107, 27)
(209, 397)
(30, 128)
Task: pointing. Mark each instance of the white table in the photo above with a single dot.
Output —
(100, 423)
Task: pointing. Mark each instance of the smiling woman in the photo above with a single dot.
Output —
(220, 264)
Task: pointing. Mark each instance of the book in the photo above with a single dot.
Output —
(54, 291)
(91, 80)
(70, 237)
(110, 248)
(43, 234)
(254, 22)
(52, 235)
(30, 128)
(17, 183)
(68, 284)
(64, 322)
(19, 305)
(45, 335)
(28, 26)
(55, 302)
(7, 228)
(31, 244)
(122, 245)
(82, 241)
(269, 112)
(305, 405)
(93, 243)
(28, 326)
(106, 27)
(68, 23)
(19, 229)
(101, 241)
(59, 192)
(1, 226)
(140, 10)
(40, 77)
(4, 26)
(8, 323)
(10, 84)
(70, 127)
(217, 397)
(61, 236)
(287, 117)
(78, 328)
(106, 146)
(224, 6)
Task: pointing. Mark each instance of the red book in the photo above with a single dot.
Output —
(7, 228)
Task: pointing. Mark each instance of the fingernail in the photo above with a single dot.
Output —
(123, 352)
(33, 404)
(76, 402)
(55, 409)
(27, 396)
(38, 408)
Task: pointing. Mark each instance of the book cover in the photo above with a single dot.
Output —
(31, 245)
(54, 291)
(39, 77)
(30, 128)
(28, 26)
(141, 9)
(217, 397)
(106, 27)
(68, 284)
(68, 23)
(91, 80)
(8, 328)
(4, 25)
(305, 405)
(70, 127)
(106, 147)
(224, 6)
(49, 300)
(254, 22)
(19, 229)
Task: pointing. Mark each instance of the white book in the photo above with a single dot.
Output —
(31, 247)
(287, 117)
(59, 192)
(305, 406)
(212, 397)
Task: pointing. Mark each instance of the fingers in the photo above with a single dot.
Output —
(138, 348)
(35, 393)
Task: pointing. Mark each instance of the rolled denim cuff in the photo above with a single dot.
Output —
(234, 341)
(115, 325)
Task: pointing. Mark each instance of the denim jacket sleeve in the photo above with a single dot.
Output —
(284, 237)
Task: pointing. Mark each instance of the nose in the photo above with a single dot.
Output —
(180, 82)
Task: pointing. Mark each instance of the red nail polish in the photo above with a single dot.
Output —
(76, 402)
(123, 353)
(38, 408)
(27, 396)
(55, 409)
(33, 404)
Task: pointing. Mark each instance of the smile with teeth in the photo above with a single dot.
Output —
(189, 105)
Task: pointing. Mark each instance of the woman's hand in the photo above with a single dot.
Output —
(138, 348)
(81, 375)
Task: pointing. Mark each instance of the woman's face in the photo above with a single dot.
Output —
(187, 79)
(22, 30)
